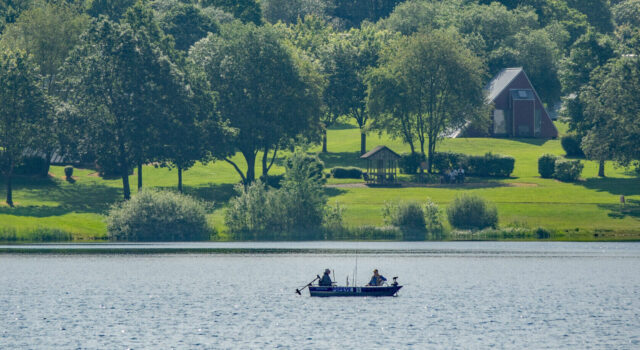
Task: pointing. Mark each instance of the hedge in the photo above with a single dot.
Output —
(547, 165)
(409, 163)
(346, 173)
(489, 165)
(568, 170)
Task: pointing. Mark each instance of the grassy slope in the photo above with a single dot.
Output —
(525, 199)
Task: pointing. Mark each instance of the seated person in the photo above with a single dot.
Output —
(325, 280)
(376, 279)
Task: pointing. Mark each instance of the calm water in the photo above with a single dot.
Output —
(456, 295)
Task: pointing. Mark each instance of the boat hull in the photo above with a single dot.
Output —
(336, 291)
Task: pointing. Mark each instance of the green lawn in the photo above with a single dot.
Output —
(523, 200)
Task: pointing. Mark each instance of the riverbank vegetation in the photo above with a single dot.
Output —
(199, 96)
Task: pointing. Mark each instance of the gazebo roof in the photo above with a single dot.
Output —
(378, 149)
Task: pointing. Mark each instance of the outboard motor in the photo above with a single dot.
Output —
(395, 281)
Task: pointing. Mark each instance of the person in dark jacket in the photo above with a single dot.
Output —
(376, 279)
(325, 280)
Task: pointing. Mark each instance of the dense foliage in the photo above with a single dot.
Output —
(154, 216)
(414, 220)
(571, 145)
(411, 162)
(346, 173)
(547, 165)
(489, 165)
(567, 170)
(295, 211)
(471, 212)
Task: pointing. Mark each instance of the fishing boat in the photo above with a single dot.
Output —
(367, 291)
(351, 291)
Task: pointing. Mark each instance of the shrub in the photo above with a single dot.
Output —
(158, 216)
(32, 166)
(567, 170)
(471, 212)
(346, 173)
(313, 164)
(489, 165)
(433, 219)
(547, 165)
(443, 161)
(68, 171)
(408, 217)
(571, 145)
(410, 162)
(294, 211)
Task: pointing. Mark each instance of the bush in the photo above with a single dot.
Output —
(567, 170)
(489, 165)
(313, 164)
(108, 168)
(471, 212)
(346, 173)
(571, 145)
(36, 165)
(547, 165)
(68, 171)
(410, 162)
(295, 211)
(408, 217)
(158, 216)
(433, 219)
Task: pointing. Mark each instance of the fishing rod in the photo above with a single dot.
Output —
(307, 285)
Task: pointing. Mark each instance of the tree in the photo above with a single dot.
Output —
(186, 23)
(588, 53)
(627, 13)
(613, 109)
(122, 86)
(114, 9)
(351, 55)
(48, 33)
(290, 11)
(263, 90)
(23, 111)
(312, 36)
(248, 11)
(440, 84)
(354, 12)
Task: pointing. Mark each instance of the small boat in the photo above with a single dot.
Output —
(367, 291)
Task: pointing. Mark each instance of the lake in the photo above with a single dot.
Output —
(469, 295)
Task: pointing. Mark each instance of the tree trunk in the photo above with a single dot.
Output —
(180, 179)
(265, 167)
(139, 176)
(250, 158)
(363, 143)
(125, 183)
(413, 148)
(324, 141)
(9, 188)
(601, 168)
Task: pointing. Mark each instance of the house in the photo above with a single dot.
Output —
(517, 109)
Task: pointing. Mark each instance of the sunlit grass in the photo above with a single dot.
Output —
(524, 199)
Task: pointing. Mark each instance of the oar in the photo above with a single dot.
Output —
(308, 284)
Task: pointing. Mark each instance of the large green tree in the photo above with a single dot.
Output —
(123, 87)
(613, 109)
(350, 56)
(263, 91)
(439, 83)
(114, 9)
(248, 11)
(186, 23)
(23, 111)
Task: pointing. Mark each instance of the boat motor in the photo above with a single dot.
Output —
(395, 281)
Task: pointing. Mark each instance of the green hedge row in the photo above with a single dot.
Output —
(489, 165)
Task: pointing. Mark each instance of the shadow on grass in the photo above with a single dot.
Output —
(333, 192)
(342, 159)
(217, 193)
(92, 198)
(342, 126)
(531, 141)
(617, 186)
(617, 211)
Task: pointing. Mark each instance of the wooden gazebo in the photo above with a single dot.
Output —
(382, 165)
